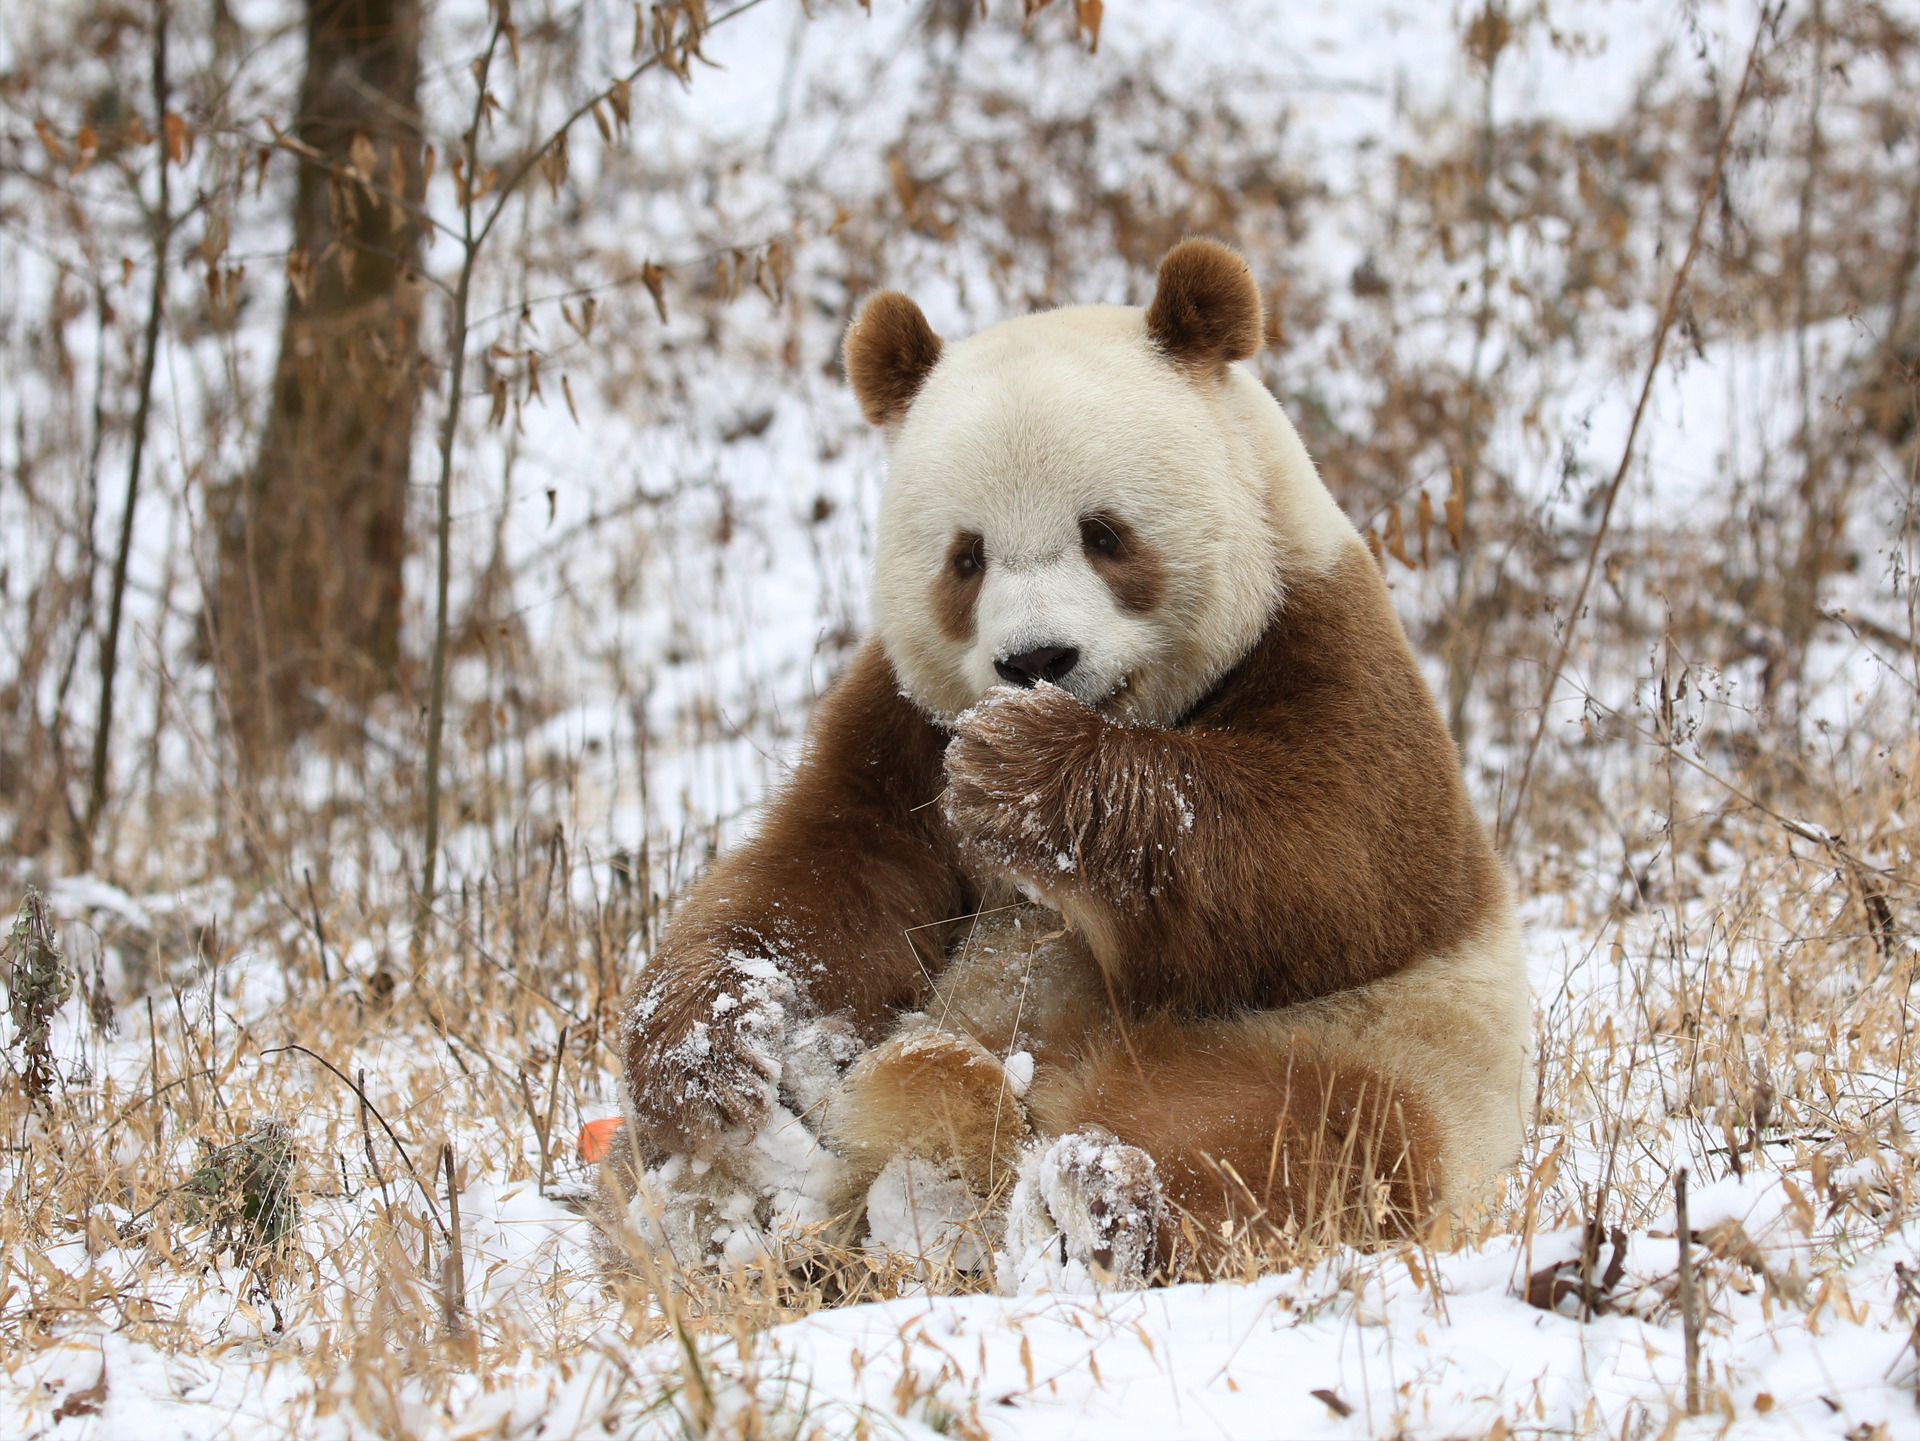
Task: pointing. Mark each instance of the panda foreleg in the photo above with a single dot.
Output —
(834, 908)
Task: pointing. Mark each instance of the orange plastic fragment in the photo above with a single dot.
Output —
(596, 1138)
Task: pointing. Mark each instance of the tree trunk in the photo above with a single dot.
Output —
(306, 609)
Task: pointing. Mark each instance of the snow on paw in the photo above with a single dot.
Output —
(704, 1053)
(1087, 1213)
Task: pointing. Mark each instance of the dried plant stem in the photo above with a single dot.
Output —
(319, 930)
(472, 241)
(443, 489)
(553, 1097)
(454, 1271)
(1689, 1313)
(1768, 19)
(150, 346)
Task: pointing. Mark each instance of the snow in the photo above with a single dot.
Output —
(1436, 1341)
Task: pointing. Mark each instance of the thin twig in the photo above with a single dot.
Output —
(454, 1274)
(150, 346)
(1769, 17)
(426, 1191)
(1689, 1314)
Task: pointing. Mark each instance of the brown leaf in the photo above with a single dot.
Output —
(1373, 544)
(620, 97)
(1324, 1395)
(1086, 15)
(554, 163)
(566, 389)
(600, 121)
(651, 276)
(1729, 1241)
(497, 387)
(1798, 1206)
(1396, 540)
(1423, 522)
(56, 152)
(88, 145)
(179, 139)
(87, 1402)
(1457, 510)
(300, 273)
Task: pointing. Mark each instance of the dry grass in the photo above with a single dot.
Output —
(1721, 838)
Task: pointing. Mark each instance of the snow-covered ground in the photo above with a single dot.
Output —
(686, 567)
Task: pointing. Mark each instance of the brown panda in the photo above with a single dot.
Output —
(1130, 859)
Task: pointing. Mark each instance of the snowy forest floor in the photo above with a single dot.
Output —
(1743, 1034)
(233, 1211)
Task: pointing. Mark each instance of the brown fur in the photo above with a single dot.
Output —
(1246, 1135)
(1132, 569)
(890, 349)
(1332, 842)
(1245, 1125)
(938, 1095)
(851, 870)
(1303, 831)
(1206, 310)
(956, 590)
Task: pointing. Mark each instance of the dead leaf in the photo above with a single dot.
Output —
(1087, 15)
(651, 276)
(1325, 1395)
(1457, 510)
(1396, 539)
(554, 164)
(178, 138)
(56, 152)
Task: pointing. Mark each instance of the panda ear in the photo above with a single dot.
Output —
(1206, 309)
(890, 349)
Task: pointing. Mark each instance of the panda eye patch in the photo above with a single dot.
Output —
(1133, 570)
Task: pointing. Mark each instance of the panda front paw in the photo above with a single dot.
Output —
(1088, 1212)
(1020, 779)
(703, 1051)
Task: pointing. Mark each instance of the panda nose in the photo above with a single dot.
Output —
(1047, 662)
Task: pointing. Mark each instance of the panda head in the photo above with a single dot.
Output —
(1094, 497)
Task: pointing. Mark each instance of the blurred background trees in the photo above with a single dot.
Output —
(312, 537)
